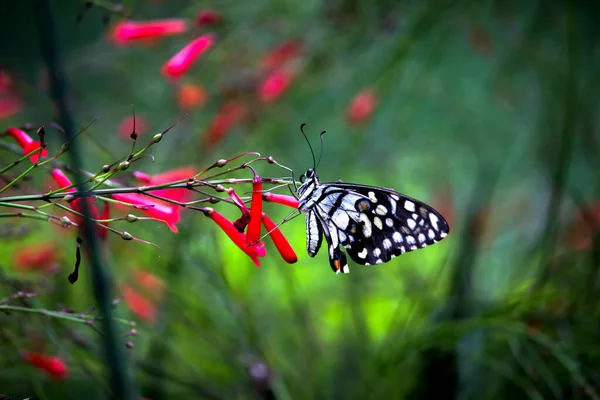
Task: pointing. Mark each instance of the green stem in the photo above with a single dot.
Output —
(20, 160)
(59, 315)
(18, 178)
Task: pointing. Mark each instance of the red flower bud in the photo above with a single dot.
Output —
(26, 143)
(255, 211)
(361, 107)
(227, 116)
(238, 238)
(191, 96)
(125, 127)
(281, 243)
(139, 304)
(39, 257)
(182, 61)
(283, 199)
(128, 31)
(54, 367)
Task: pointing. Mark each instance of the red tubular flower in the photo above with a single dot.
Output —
(152, 208)
(139, 304)
(191, 96)
(182, 61)
(149, 282)
(361, 107)
(281, 243)
(39, 257)
(253, 233)
(10, 106)
(274, 86)
(282, 54)
(208, 17)
(178, 194)
(63, 181)
(26, 143)
(53, 366)
(258, 250)
(125, 127)
(227, 116)
(243, 221)
(128, 31)
(283, 199)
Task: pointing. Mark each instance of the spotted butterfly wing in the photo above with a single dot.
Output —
(373, 224)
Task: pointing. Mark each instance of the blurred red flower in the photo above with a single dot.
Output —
(151, 207)
(281, 243)
(281, 54)
(191, 96)
(26, 143)
(274, 85)
(240, 240)
(283, 199)
(41, 257)
(580, 233)
(253, 233)
(53, 366)
(63, 181)
(181, 62)
(362, 106)
(208, 17)
(10, 106)
(222, 123)
(125, 127)
(6, 84)
(180, 195)
(128, 31)
(139, 304)
(149, 282)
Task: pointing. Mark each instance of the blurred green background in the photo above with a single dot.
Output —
(486, 110)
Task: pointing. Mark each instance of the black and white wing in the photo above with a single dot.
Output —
(373, 224)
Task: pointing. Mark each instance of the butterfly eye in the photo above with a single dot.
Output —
(310, 173)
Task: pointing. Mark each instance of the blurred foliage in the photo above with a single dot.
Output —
(486, 110)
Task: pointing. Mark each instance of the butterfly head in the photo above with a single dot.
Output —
(309, 180)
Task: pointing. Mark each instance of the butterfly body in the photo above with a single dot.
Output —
(372, 224)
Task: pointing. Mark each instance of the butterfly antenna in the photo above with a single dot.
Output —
(309, 146)
(321, 152)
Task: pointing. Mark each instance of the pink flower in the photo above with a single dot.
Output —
(208, 17)
(10, 106)
(222, 123)
(361, 107)
(282, 54)
(274, 86)
(181, 195)
(151, 207)
(26, 143)
(128, 31)
(283, 199)
(181, 62)
(63, 181)
(53, 366)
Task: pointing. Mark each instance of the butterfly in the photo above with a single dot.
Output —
(372, 224)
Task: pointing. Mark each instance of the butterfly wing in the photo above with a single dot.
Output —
(376, 224)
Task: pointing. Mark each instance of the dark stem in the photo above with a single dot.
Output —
(119, 381)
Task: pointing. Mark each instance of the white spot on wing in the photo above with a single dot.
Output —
(372, 197)
(411, 223)
(393, 205)
(397, 237)
(377, 252)
(410, 239)
(434, 221)
(366, 228)
(431, 234)
(381, 210)
(389, 222)
(345, 269)
(421, 238)
(443, 234)
(395, 197)
(378, 223)
(378, 261)
(363, 254)
(409, 205)
(387, 244)
(341, 219)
